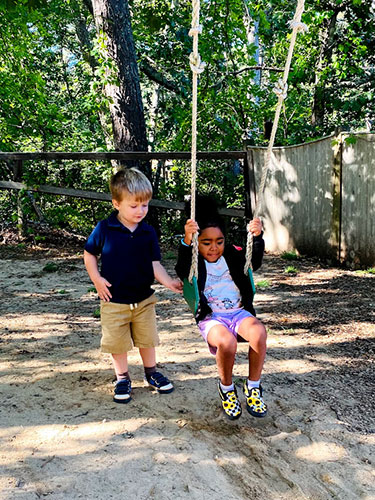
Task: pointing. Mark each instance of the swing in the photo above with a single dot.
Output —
(190, 286)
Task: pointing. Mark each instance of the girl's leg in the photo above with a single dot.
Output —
(120, 364)
(252, 330)
(225, 342)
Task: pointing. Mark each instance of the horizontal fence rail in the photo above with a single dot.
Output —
(126, 155)
(108, 156)
(319, 196)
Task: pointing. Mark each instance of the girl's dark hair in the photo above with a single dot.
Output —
(206, 213)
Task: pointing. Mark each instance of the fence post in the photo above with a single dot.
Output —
(17, 177)
(249, 182)
(336, 197)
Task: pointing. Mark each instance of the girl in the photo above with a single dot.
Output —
(225, 309)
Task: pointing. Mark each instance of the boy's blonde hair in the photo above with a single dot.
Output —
(130, 181)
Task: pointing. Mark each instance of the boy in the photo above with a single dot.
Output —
(130, 259)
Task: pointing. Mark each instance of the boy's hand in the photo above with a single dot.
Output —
(191, 227)
(176, 286)
(255, 227)
(101, 286)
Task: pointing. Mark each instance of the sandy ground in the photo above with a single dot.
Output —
(62, 437)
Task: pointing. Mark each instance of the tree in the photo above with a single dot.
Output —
(122, 87)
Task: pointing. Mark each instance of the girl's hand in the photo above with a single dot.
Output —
(255, 227)
(191, 227)
(101, 286)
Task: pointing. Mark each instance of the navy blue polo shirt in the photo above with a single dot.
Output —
(126, 258)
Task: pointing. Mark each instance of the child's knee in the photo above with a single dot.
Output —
(227, 344)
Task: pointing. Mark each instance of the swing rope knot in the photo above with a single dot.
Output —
(281, 89)
(298, 26)
(196, 64)
(195, 30)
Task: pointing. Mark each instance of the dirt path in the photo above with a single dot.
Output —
(62, 437)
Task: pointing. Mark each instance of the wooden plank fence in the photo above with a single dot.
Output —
(319, 197)
(17, 159)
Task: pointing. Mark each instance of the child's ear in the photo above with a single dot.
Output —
(115, 204)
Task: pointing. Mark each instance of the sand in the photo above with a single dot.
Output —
(62, 436)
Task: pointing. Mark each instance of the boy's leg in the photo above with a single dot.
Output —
(145, 337)
(123, 385)
(148, 355)
(252, 330)
(225, 342)
(154, 378)
(120, 365)
(116, 340)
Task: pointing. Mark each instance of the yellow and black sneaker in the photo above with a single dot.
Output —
(254, 401)
(231, 404)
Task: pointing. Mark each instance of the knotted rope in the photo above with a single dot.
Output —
(197, 66)
(280, 90)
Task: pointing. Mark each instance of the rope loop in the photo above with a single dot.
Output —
(196, 64)
(298, 26)
(196, 30)
(281, 89)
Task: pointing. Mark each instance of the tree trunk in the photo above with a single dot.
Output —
(112, 19)
(325, 58)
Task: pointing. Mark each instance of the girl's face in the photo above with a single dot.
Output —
(211, 244)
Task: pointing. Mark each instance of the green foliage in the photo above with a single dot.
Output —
(263, 284)
(290, 255)
(50, 267)
(370, 270)
(96, 313)
(291, 270)
(54, 68)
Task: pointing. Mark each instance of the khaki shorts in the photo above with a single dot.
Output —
(125, 326)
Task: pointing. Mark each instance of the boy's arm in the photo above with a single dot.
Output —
(100, 283)
(163, 277)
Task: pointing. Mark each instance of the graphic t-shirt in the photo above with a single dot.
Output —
(220, 290)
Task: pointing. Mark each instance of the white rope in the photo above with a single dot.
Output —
(281, 92)
(197, 66)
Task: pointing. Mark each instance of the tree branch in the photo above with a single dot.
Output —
(242, 70)
(157, 77)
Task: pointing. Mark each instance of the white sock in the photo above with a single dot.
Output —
(226, 388)
(253, 384)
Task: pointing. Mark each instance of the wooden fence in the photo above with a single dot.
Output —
(319, 197)
(17, 160)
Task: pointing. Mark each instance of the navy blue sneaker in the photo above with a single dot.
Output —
(159, 382)
(123, 389)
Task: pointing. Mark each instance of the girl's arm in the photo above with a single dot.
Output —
(256, 227)
(100, 283)
(184, 252)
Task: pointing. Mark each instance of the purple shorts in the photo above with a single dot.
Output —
(230, 320)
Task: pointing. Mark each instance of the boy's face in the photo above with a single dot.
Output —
(211, 244)
(130, 210)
